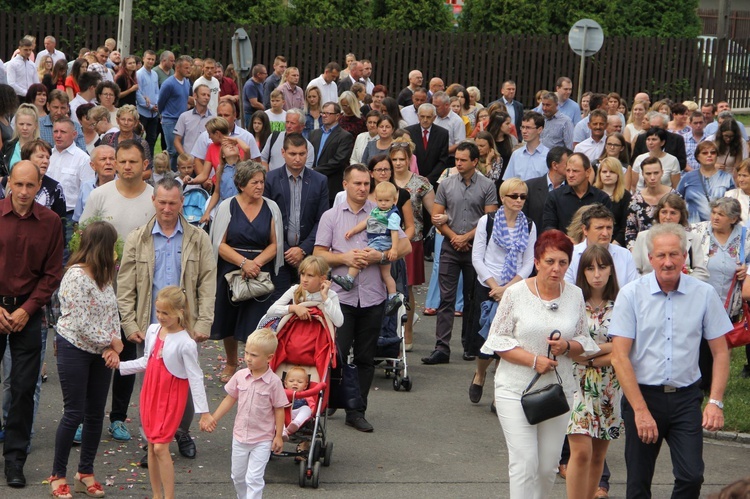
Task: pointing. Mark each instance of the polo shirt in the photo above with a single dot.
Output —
(190, 125)
(257, 398)
(571, 109)
(464, 204)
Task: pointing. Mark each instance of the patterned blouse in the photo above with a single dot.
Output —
(641, 216)
(418, 187)
(89, 319)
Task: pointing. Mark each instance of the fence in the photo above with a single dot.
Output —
(739, 22)
(675, 68)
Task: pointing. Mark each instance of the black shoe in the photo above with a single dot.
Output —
(143, 463)
(392, 304)
(475, 391)
(185, 444)
(14, 476)
(745, 373)
(359, 423)
(493, 408)
(468, 357)
(331, 411)
(345, 281)
(436, 357)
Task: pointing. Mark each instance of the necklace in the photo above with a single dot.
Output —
(598, 307)
(553, 306)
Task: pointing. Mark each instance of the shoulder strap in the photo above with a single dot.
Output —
(274, 137)
(490, 224)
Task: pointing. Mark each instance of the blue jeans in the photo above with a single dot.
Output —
(433, 291)
(167, 126)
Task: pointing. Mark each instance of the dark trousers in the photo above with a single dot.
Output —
(84, 379)
(452, 263)
(122, 386)
(25, 354)
(678, 418)
(151, 127)
(360, 331)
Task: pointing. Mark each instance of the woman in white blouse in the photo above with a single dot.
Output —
(88, 347)
(742, 193)
(501, 256)
(529, 311)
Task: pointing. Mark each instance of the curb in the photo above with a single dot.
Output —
(728, 436)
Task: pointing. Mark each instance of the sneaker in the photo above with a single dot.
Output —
(79, 435)
(119, 431)
(391, 306)
(345, 281)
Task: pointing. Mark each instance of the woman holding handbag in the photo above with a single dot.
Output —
(595, 419)
(520, 335)
(244, 234)
(723, 241)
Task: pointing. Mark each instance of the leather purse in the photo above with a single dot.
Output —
(243, 289)
(740, 334)
(547, 402)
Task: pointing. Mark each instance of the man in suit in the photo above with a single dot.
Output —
(674, 145)
(354, 76)
(540, 187)
(431, 144)
(513, 107)
(333, 147)
(302, 196)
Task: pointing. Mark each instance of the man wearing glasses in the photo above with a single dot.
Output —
(529, 161)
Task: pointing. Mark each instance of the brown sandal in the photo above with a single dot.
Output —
(302, 447)
(93, 490)
(62, 491)
(227, 373)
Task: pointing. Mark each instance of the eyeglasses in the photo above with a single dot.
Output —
(614, 145)
(522, 197)
(381, 170)
(397, 145)
(712, 153)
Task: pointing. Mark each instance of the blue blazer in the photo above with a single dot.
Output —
(312, 206)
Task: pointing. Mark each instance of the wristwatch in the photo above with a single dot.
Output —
(717, 403)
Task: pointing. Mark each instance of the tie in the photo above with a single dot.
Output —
(424, 139)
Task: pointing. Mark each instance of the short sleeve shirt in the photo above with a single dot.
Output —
(256, 400)
(464, 204)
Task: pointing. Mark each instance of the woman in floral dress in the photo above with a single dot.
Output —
(595, 417)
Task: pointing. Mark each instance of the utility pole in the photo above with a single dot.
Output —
(722, 21)
(124, 26)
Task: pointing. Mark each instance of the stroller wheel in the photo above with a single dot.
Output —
(302, 474)
(318, 449)
(406, 382)
(316, 475)
(327, 454)
(397, 383)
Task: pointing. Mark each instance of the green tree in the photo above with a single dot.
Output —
(250, 12)
(424, 15)
(658, 18)
(351, 14)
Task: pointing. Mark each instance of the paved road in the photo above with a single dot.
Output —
(431, 442)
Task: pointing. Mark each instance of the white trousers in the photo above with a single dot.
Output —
(301, 415)
(248, 467)
(533, 450)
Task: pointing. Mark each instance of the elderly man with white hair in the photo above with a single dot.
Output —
(415, 81)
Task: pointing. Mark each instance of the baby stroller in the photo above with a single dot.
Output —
(311, 345)
(194, 205)
(392, 348)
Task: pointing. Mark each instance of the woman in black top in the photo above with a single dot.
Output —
(127, 81)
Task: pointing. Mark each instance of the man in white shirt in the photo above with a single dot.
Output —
(366, 73)
(209, 66)
(449, 120)
(598, 228)
(271, 156)
(20, 71)
(410, 113)
(49, 49)
(327, 83)
(87, 82)
(594, 145)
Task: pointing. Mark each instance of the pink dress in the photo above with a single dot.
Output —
(163, 398)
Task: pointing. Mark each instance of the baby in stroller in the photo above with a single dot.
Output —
(297, 380)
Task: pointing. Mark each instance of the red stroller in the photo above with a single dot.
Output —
(311, 345)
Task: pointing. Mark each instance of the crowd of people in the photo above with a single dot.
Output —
(622, 226)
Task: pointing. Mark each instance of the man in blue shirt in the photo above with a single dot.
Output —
(147, 97)
(168, 251)
(173, 101)
(252, 93)
(566, 105)
(657, 325)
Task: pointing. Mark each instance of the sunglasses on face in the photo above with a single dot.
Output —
(522, 197)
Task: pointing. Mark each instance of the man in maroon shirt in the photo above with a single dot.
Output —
(228, 90)
(31, 248)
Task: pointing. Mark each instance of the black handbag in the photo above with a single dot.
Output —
(547, 402)
(345, 392)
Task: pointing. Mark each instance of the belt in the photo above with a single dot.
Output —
(13, 301)
(668, 388)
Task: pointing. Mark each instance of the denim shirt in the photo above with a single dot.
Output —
(310, 125)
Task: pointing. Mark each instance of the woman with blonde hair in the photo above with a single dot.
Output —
(27, 129)
(635, 125)
(127, 120)
(351, 118)
(44, 67)
(313, 104)
(610, 179)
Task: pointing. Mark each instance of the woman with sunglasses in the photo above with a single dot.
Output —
(501, 258)
(702, 186)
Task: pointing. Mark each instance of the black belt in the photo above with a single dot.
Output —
(668, 388)
(13, 301)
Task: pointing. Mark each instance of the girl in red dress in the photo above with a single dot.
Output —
(171, 364)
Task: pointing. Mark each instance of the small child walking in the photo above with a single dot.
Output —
(171, 363)
(382, 234)
(259, 424)
(313, 286)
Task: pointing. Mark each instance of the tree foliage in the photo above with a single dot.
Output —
(656, 18)
(425, 15)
